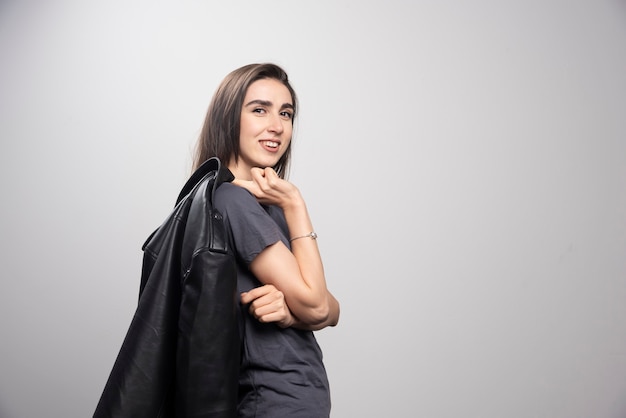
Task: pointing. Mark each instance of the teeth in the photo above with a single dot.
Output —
(271, 144)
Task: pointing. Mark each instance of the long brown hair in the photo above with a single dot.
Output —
(220, 133)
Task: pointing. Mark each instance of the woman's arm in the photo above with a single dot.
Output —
(299, 273)
(267, 304)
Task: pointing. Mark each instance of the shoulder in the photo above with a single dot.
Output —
(251, 226)
(228, 194)
(235, 201)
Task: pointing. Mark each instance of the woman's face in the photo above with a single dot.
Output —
(266, 126)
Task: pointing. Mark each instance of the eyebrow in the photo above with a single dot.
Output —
(267, 103)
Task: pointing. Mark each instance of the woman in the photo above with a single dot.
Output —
(284, 297)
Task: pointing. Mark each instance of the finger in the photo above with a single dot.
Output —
(272, 317)
(275, 310)
(267, 304)
(271, 177)
(250, 185)
(258, 176)
(269, 172)
(266, 182)
(257, 292)
(247, 297)
(265, 309)
(257, 171)
(267, 299)
(239, 182)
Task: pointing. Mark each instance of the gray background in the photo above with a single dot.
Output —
(463, 162)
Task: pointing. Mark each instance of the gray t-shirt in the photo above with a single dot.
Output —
(282, 373)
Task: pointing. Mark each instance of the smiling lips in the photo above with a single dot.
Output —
(269, 145)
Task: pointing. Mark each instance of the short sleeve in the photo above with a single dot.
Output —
(252, 228)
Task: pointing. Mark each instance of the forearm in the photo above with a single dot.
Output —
(305, 250)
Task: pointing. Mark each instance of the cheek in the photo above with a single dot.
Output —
(249, 125)
(288, 128)
(244, 126)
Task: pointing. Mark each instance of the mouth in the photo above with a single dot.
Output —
(270, 145)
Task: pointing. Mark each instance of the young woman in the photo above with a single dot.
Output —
(284, 297)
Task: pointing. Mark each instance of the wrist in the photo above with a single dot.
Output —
(312, 235)
(294, 203)
(288, 322)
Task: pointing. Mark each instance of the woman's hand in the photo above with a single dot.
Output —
(270, 189)
(267, 304)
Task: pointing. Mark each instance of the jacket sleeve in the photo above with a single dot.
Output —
(141, 381)
(208, 355)
(208, 339)
(180, 357)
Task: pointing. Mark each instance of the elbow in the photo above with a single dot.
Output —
(325, 314)
(333, 315)
(320, 314)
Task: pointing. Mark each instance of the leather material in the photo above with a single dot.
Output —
(180, 356)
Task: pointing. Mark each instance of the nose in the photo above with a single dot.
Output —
(275, 124)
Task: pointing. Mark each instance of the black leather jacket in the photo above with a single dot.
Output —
(180, 357)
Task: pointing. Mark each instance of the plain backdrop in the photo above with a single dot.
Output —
(464, 164)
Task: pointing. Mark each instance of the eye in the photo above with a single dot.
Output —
(286, 115)
(258, 110)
